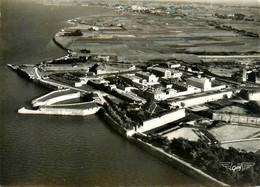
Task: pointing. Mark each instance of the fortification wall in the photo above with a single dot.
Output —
(254, 96)
(178, 163)
(58, 99)
(72, 112)
(202, 99)
(160, 121)
(235, 118)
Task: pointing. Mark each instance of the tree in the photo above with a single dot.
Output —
(76, 33)
(253, 106)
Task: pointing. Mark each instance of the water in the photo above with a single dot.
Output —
(60, 150)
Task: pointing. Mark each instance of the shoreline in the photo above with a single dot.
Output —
(172, 160)
(36, 81)
(59, 44)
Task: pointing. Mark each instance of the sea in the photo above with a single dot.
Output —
(60, 150)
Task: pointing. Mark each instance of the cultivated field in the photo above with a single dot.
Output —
(142, 37)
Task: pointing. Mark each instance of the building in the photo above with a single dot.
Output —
(161, 72)
(176, 74)
(150, 78)
(153, 94)
(162, 120)
(255, 96)
(236, 118)
(175, 65)
(200, 99)
(128, 78)
(128, 96)
(254, 76)
(244, 75)
(202, 83)
(159, 95)
(166, 73)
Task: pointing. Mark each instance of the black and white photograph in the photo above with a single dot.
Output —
(122, 93)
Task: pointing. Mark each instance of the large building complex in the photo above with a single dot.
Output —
(202, 83)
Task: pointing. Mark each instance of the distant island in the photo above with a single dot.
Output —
(179, 81)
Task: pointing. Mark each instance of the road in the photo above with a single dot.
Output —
(60, 85)
(232, 56)
(240, 140)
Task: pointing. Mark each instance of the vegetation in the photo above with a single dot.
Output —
(230, 28)
(208, 157)
(237, 16)
(70, 60)
(85, 51)
(119, 114)
(77, 32)
(132, 115)
(68, 78)
(253, 107)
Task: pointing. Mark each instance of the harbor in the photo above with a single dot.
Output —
(161, 93)
(44, 149)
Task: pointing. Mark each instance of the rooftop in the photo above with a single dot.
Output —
(200, 80)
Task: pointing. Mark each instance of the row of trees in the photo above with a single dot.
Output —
(217, 25)
(208, 158)
(119, 115)
(253, 107)
(237, 16)
(130, 114)
(244, 32)
(77, 32)
(70, 60)
(68, 78)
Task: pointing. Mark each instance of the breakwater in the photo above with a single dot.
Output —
(61, 111)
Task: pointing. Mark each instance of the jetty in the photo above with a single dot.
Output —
(62, 102)
(77, 109)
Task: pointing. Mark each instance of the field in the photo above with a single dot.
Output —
(187, 133)
(142, 37)
(253, 146)
(236, 132)
(220, 71)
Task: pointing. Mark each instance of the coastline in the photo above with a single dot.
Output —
(34, 80)
(59, 44)
(44, 146)
(172, 160)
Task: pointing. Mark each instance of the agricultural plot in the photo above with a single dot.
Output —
(140, 37)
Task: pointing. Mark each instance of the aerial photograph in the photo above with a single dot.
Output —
(130, 93)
